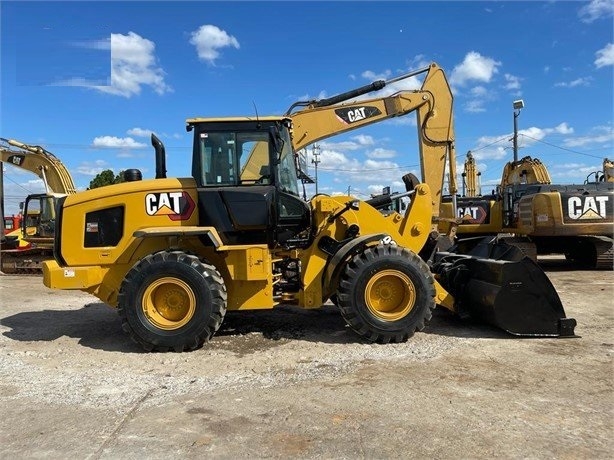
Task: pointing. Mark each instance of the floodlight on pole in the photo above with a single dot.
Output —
(518, 105)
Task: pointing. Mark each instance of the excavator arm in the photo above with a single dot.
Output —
(471, 177)
(39, 161)
(432, 104)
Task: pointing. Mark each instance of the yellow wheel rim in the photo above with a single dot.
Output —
(390, 295)
(169, 303)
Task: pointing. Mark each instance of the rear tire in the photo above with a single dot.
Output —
(386, 293)
(172, 301)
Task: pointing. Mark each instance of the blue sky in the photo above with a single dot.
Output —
(90, 80)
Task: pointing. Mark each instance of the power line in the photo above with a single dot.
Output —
(562, 148)
(18, 184)
(368, 169)
(505, 138)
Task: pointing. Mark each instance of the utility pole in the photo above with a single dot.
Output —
(2, 202)
(316, 160)
(518, 105)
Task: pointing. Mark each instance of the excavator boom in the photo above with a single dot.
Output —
(432, 104)
(39, 161)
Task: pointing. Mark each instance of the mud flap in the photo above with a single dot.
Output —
(496, 283)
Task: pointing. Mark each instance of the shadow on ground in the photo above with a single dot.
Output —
(98, 326)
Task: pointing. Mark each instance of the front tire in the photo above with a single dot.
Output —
(386, 293)
(172, 301)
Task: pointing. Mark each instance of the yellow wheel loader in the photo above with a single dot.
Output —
(174, 254)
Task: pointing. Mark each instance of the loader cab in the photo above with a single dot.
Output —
(247, 181)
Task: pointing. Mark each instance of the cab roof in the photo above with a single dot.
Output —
(194, 121)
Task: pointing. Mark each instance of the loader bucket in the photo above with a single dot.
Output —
(496, 283)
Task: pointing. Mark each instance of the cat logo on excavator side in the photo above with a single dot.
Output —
(588, 207)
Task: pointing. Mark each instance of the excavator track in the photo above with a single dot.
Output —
(593, 253)
(605, 253)
(22, 264)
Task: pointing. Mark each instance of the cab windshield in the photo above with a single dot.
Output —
(287, 168)
(231, 158)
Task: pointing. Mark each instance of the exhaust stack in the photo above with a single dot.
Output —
(160, 157)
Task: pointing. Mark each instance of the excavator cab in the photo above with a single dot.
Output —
(39, 210)
(247, 181)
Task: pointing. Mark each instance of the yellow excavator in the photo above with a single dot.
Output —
(174, 254)
(26, 246)
(544, 218)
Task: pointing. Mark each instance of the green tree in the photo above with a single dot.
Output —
(106, 177)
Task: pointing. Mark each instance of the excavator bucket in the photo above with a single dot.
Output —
(495, 282)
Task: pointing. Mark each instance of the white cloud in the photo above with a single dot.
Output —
(117, 142)
(80, 82)
(474, 67)
(512, 82)
(497, 147)
(380, 153)
(478, 91)
(16, 188)
(565, 172)
(355, 143)
(133, 65)
(88, 168)
(103, 45)
(599, 135)
(537, 134)
(363, 139)
(139, 132)
(343, 146)
(474, 106)
(481, 95)
(582, 81)
(372, 76)
(491, 153)
(563, 128)
(406, 84)
(352, 171)
(605, 56)
(209, 39)
(596, 9)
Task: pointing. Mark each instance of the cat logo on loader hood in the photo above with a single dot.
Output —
(175, 205)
